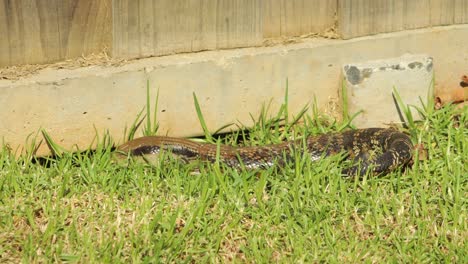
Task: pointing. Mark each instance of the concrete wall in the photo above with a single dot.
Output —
(229, 84)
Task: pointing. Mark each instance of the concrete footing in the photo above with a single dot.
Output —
(230, 85)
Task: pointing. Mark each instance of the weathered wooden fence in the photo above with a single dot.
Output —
(35, 31)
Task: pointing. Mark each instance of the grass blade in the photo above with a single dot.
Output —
(206, 132)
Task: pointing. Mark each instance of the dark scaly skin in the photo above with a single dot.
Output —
(379, 150)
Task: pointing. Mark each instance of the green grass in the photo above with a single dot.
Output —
(83, 207)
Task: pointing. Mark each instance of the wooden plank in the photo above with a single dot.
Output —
(37, 31)
(286, 18)
(461, 12)
(90, 26)
(447, 12)
(367, 17)
(17, 27)
(416, 14)
(152, 28)
(442, 12)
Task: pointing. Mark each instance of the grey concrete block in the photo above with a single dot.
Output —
(370, 87)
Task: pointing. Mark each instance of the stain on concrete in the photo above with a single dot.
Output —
(429, 65)
(415, 64)
(397, 67)
(353, 74)
(366, 73)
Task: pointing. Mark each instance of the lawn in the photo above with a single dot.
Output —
(86, 207)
